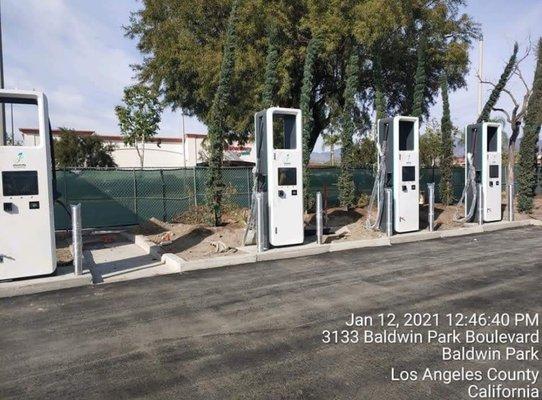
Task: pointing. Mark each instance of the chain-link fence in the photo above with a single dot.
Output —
(118, 197)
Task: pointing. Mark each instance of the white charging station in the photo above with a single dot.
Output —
(398, 169)
(27, 239)
(279, 176)
(483, 155)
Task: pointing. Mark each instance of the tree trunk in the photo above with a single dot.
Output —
(331, 155)
(142, 158)
(512, 156)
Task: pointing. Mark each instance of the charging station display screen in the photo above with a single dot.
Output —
(409, 174)
(493, 171)
(20, 183)
(287, 176)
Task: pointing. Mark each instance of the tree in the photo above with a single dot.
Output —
(139, 117)
(447, 147)
(307, 111)
(364, 153)
(515, 117)
(431, 145)
(526, 179)
(347, 191)
(182, 58)
(271, 78)
(217, 124)
(420, 79)
(499, 87)
(380, 99)
(82, 151)
(331, 140)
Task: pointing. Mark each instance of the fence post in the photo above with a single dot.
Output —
(135, 195)
(77, 240)
(195, 188)
(164, 212)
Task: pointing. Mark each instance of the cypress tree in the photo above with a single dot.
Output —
(346, 177)
(306, 105)
(271, 78)
(497, 90)
(217, 124)
(526, 179)
(446, 162)
(420, 81)
(380, 100)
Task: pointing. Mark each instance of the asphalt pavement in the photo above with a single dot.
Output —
(255, 331)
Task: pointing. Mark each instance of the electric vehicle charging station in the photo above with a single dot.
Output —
(27, 239)
(483, 166)
(279, 175)
(398, 169)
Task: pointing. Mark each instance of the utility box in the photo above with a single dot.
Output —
(27, 239)
(398, 142)
(279, 174)
(483, 144)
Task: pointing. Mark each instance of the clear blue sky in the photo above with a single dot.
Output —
(75, 51)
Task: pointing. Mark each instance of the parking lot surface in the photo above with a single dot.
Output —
(255, 331)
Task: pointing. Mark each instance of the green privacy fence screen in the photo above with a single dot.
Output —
(119, 197)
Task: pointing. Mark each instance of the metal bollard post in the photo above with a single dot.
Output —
(431, 211)
(260, 238)
(389, 213)
(319, 218)
(480, 201)
(77, 239)
(511, 196)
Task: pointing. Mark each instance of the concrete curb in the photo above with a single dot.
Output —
(145, 244)
(359, 244)
(312, 249)
(46, 284)
(217, 262)
(173, 261)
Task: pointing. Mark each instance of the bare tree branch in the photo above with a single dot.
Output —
(504, 89)
(508, 119)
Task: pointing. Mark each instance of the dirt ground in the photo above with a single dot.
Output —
(191, 239)
(194, 241)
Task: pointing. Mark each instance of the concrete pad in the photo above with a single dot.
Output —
(293, 252)
(63, 279)
(461, 231)
(217, 262)
(358, 244)
(414, 237)
(536, 222)
(112, 262)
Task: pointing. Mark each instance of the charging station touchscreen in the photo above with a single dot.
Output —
(27, 242)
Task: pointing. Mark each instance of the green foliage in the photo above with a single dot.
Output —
(447, 143)
(420, 81)
(431, 145)
(82, 151)
(380, 98)
(346, 176)
(139, 117)
(365, 154)
(363, 200)
(526, 179)
(331, 140)
(306, 105)
(217, 122)
(497, 90)
(182, 41)
(271, 76)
